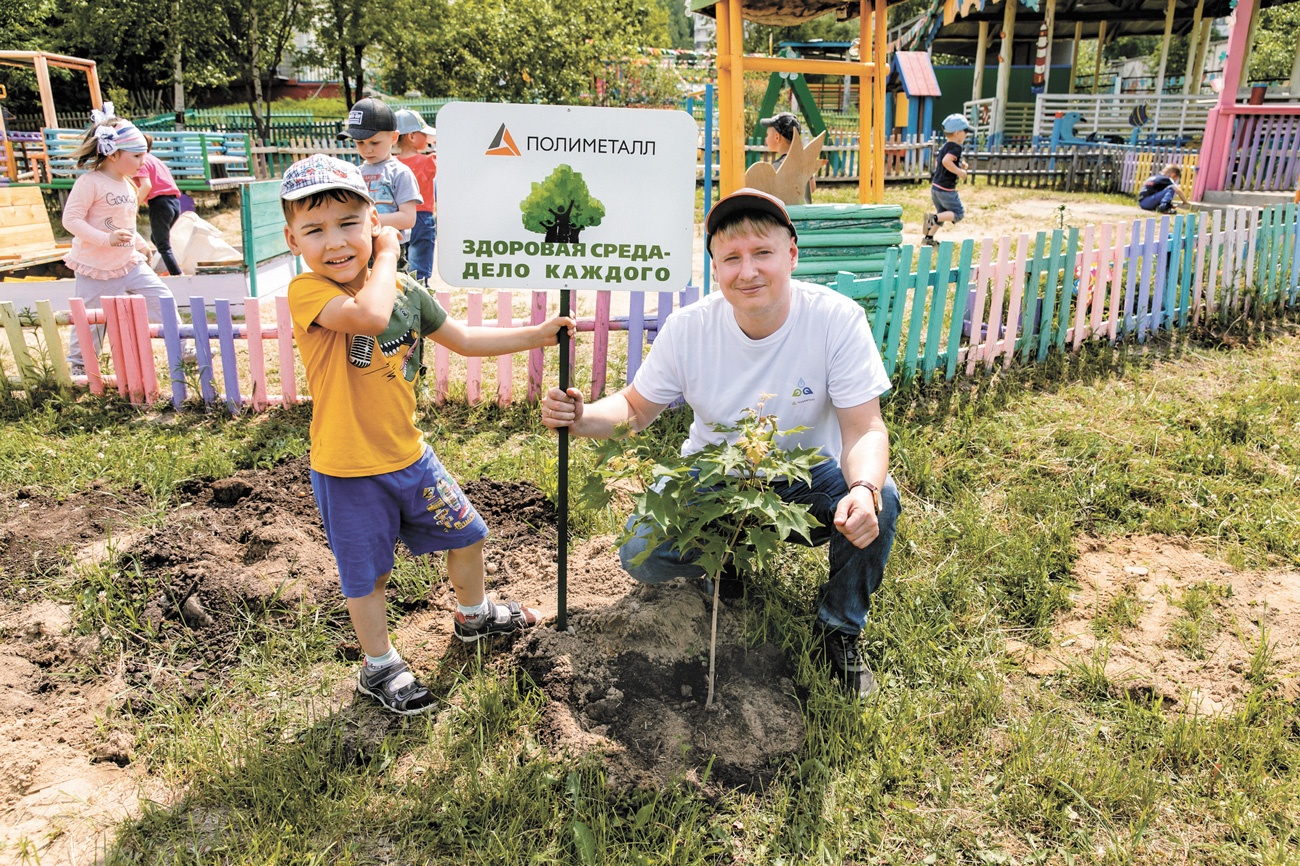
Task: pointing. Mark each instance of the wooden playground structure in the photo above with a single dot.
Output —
(733, 63)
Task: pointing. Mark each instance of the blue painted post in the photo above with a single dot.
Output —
(635, 333)
(229, 372)
(172, 340)
(202, 349)
(708, 172)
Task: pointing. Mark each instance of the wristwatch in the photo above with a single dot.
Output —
(875, 493)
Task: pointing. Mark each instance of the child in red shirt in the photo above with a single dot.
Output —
(158, 188)
(413, 136)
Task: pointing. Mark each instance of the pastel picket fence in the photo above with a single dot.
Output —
(1023, 298)
(241, 364)
(958, 310)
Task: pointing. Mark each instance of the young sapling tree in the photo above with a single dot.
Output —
(719, 501)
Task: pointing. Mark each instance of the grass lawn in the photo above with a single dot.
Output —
(965, 756)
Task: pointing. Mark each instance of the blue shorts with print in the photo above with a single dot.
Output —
(947, 199)
(422, 505)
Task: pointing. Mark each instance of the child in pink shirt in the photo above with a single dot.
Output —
(158, 189)
(108, 255)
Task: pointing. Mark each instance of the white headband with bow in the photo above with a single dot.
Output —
(112, 138)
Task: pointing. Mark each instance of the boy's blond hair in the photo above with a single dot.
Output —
(291, 207)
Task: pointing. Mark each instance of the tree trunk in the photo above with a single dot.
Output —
(255, 106)
(357, 50)
(178, 77)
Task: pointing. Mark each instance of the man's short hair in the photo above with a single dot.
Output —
(1174, 171)
(291, 207)
(747, 223)
(757, 210)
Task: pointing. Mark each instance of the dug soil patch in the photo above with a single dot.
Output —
(1164, 619)
(627, 682)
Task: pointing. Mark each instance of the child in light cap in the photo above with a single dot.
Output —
(360, 329)
(949, 167)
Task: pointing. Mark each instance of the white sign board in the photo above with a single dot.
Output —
(565, 197)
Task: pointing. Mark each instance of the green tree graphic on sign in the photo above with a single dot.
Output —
(561, 207)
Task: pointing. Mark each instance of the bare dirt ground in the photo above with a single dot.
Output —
(626, 683)
(1152, 656)
(627, 680)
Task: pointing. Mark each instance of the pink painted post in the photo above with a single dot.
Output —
(600, 344)
(1103, 281)
(1086, 258)
(474, 366)
(536, 358)
(977, 308)
(256, 354)
(284, 334)
(442, 359)
(1215, 153)
(995, 302)
(505, 369)
(89, 359)
(140, 320)
(1116, 281)
(114, 335)
(131, 350)
(1013, 306)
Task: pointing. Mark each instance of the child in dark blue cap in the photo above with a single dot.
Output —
(949, 168)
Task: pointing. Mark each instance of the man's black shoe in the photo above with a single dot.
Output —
(849, 668)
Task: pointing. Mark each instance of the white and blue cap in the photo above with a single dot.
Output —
(956, 122)
(409, 121)
(318, 173)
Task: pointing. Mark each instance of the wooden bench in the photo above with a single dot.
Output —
(26, 237)
(199, 161)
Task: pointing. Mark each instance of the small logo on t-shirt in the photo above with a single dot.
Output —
(802, 390)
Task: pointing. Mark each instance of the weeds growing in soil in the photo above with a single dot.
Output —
(961, 758)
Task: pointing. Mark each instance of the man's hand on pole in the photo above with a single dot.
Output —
(561, 408)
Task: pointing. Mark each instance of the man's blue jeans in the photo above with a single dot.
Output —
(855, 573)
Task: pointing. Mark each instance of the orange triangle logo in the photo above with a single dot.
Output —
(503, 144)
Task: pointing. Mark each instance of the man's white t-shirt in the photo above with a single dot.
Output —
(822, 358)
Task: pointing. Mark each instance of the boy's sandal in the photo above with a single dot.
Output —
(507, 618)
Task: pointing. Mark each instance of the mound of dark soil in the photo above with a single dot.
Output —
(630, 679)
(40, 533)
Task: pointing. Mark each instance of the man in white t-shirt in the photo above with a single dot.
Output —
(761, 334)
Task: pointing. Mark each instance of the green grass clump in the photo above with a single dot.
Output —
(961, 758)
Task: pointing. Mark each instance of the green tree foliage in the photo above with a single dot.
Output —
(1275, 44)
(561, 207)
(522, 50)
(681, 29)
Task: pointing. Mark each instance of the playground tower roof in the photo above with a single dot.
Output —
(786, 12)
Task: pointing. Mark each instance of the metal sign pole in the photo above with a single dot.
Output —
(562, 488)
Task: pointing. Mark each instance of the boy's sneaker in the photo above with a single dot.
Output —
(931, 220)
(76, 370)
(396, 688)
(848, 666)
(504, 619)
(929, 240)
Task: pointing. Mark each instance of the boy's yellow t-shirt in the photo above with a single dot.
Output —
(362, 387)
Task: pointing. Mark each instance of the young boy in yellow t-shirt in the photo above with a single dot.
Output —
(360, 331)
